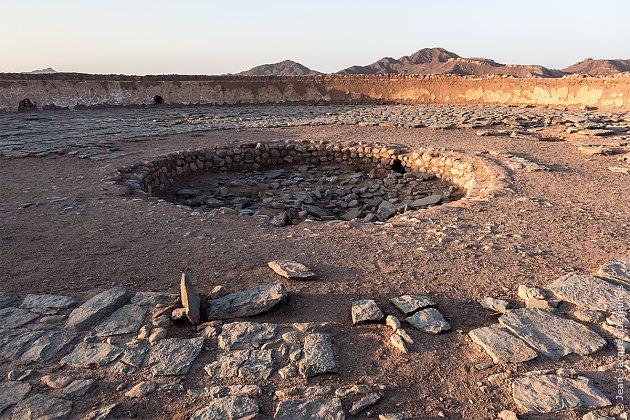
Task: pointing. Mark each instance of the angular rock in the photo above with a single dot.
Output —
(79, 387)
(496, 305)
(552, 393)
(174, 356)
(618, 269)
(588, 292)
(365, 310)
(247, 303)
(431, 200)
(246, 335)
(502, 346)
(190, 300)
(97, 308)
(7, 298)
(291, 270)
(141, 389)
(154, 299)
(56, 381)
(593, 415)
(410, 303)
(157, 334)
(42, 407)
(13, 343)
(125, 320)
(228, 408)
(551, 335)
(101, 413)
(364, 403)
(392, 322)
(88, 355)
(429, 320)
(318, 356)
(133, 355)
(399, 344)
(40, 303)
(47, 346)
(310, 409)
(12, 393)
(15, 317)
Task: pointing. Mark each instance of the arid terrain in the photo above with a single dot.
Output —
(70, 227)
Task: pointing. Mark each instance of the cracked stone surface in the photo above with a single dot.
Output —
(229, 408)
(310, 409)
(247, 303)
(97, 308)
(410, 303)
(618, 269)
(125, 320)
(291, 270)
(13, 343)
(318, 357)
(12, 392)
(46, 347)
(246, 335)
(429, 320)
(502, 346)
(42, 407)
(588, 292)
(92, 354)
(247, 364)
(174, 356)
(7, 298)
(15, 317)
(44, 302)
(364, 311)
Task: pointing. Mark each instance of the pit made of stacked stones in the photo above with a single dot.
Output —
(293, 181)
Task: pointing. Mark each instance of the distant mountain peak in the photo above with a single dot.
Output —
(283, 68)
(47, 70)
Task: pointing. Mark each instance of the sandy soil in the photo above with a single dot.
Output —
(79, 237)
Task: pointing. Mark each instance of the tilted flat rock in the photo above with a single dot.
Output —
(13, 343)
(411, 303)
(429, 320)
(550, 334)
(291, 270)
(12, 392)
(502, 346)
(174, 356)
(15, 317)
(551, 393)
(97, 308)
(246, 335)
(125, 320)
(42, 407)
(45, 301)
(190, 300)
(365, 310)
(228, 408)
(101, 413)
(318, 356)
(618, 269)
(246, 303)
(47, 346)
(92, 354)
(588, 292)
(7, 298)
(310, 409)
(79, 387)
(154, 299)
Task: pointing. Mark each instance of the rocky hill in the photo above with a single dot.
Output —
(283, 68)
(599, 67)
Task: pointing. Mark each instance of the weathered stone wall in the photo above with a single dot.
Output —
(78, 90)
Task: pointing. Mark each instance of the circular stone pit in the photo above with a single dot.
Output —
(294, 180)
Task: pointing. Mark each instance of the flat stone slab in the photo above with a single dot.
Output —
(502, 346)
(551, 393)
(246, 335)
(97, 308)
(618, 269)
(46, 347)
(190, 300)
(429, 320)
(410, 303)
(588, 292)
(174, 356)
(365, 310)
(7, 298)
(42, 407)
(46, 302)
(15, 317)
(125, 320)
(12, 392)
(13, 343)
(318, 356)
(310, 409)
(154, 299)
(247, 303)
(291, 270)
(551, 335)
(228, 408)
(92, 354)
(79, 387)
(246, 364)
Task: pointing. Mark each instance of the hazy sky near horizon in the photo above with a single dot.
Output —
(216, 37)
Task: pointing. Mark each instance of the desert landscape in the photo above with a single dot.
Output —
(424, 237)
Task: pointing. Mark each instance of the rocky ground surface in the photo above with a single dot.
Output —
(489, 309)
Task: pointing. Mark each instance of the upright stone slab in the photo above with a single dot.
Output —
(12, 392)
(310, 409)
(246, 303)
(618, 270)
(190, 300)
(291, 270)
(318, 356)
(15, 317)
(228, 408)
(551, 393)
(42, 407)
(589, 292)
(551, 335)
(502, 346)
(97, 308)
(174, 356)
(125, 320)
(43, 302)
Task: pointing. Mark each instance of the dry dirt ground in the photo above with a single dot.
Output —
(79, 237)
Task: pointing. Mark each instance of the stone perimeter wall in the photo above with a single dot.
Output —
(69, 91)
(476, 177)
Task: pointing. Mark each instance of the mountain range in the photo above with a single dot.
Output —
(441, 61)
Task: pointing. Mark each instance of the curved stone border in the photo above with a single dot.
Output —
(479, 178)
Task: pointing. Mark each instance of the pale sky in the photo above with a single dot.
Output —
(216, 37)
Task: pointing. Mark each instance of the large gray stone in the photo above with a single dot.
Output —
(247, 303)
(429, 320)
(411, 303)
(502, 346)
(174, 356)
(246, 335)
(13, 343)
(291, 270)
(551, 335)
(15, 317)
(79, 387)
(310, 409)
(47, 346)
(228, 408)
(43, 302)
(589, 292)
(365, 310)
(125, 320)
(97, 308)
(318, 356)
(42, 407)
(7, 298)
(154, 299)
(190, 300)
(12, 392)
(89, 355)
(551, 393)
(618, 270)
(246, 364)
